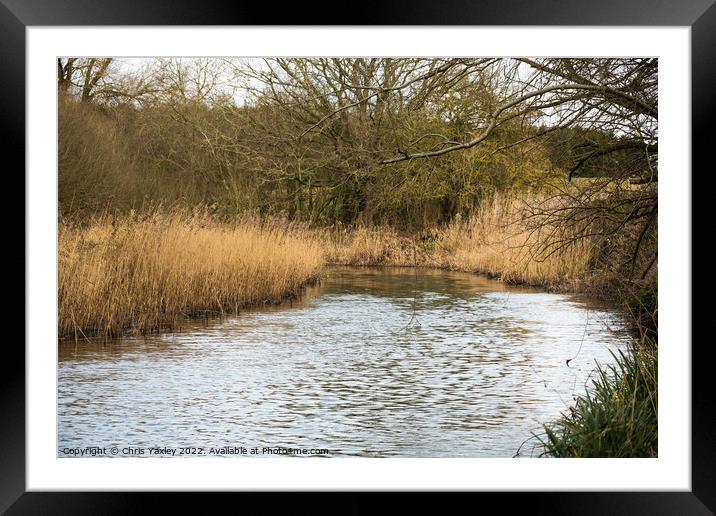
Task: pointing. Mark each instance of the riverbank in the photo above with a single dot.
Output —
(500, 240)
(143, 273)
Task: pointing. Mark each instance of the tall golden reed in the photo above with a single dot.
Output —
(505, 239)
(141, 274)
(145, 273)
(497, 240)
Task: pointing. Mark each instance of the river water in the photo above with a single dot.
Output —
(373, 363)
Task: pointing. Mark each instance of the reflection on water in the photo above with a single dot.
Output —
(373, 362)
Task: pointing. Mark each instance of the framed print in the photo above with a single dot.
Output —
(389, 256)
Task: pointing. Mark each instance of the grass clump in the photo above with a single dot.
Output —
(618, 415)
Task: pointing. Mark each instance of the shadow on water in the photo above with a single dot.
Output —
(371, 362)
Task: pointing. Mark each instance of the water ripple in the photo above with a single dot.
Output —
(377, 363)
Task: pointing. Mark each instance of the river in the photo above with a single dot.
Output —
(392, 362)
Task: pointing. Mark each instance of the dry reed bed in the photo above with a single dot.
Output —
(504, 239)
(507, 240)
(143, 274)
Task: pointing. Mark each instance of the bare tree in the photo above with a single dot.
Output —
(99, 81)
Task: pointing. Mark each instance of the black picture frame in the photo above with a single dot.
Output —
(700, 15)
